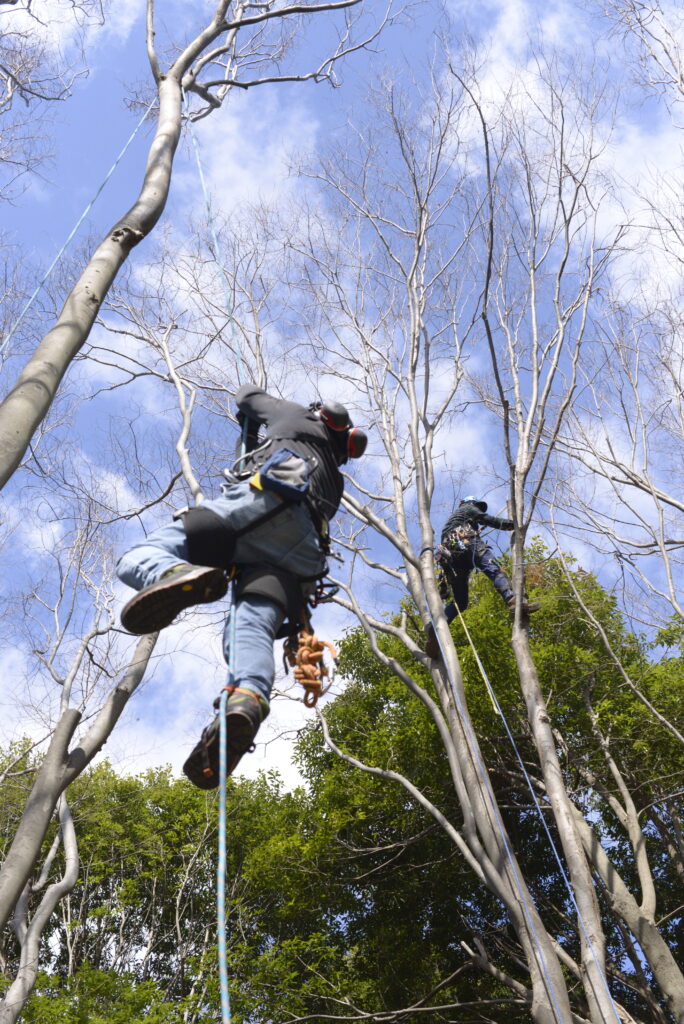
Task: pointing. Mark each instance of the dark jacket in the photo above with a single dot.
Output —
(470, 514)
(307, 435)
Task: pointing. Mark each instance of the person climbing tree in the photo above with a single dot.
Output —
(270, 527)
(462, 550)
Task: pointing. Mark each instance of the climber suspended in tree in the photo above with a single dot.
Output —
(462, 549)
(269, 529)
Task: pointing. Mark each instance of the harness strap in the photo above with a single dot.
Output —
(210, 541)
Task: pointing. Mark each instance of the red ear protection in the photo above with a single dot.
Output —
(336, 418)
(356, 442)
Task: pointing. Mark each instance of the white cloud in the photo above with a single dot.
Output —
(39, 532)
(122, 15)
(245, 151)
(59, 24)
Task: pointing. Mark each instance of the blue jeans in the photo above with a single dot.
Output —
(257, 620)
(462, 564)
(288, 541)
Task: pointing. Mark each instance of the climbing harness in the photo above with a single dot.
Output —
(8, 337)
(211, 541)
(554, 848)
(325, 592)
(462, 538)
(304, 652)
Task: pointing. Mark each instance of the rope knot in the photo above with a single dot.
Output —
(304, 653)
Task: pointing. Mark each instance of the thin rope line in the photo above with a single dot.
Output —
(223, 775)
(222, 837)
(211, 224)
(530, 786)
(496, 818)
(8, 338)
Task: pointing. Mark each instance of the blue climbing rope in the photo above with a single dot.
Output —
(218, 259)
(223, 778)
(6, 340)
(222, 836)
(528, 780)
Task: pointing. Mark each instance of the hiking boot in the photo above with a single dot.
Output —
(527, 606)
(432, 648)
(156, 606)
(245, 711)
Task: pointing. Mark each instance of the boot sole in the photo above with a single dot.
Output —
(202, 766)
(157, 606)
(433, 650)
(529, 610)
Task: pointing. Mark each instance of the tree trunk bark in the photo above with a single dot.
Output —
(60, 768)
(22, 986)
(592, 939)
(550, 1000)
(27, 404)
(40, 806)
(665, 969)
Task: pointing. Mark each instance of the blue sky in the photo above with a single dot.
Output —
(247, 149)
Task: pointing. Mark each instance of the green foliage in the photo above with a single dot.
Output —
(99, 997)
(346, 894)
(671, 635)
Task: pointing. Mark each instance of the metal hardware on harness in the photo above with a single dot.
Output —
(324, 592)
(304, 653)
(461, 538)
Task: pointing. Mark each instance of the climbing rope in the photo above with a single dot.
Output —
(304, 653)
(218, 259)
(5, 342)
(528, 780)
(222, 836)
(221, 926)
(222, 945)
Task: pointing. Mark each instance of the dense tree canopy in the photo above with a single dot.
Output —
(345, 898)
(477, 268)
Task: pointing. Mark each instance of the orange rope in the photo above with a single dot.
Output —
(305, 654)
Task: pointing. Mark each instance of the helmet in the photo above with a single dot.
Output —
(470, 499)
(337, 419)
(334, 415)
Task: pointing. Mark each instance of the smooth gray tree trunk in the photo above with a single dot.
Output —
(58, 770)
(26, 405)
(589, 926)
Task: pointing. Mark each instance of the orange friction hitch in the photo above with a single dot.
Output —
(304, 653)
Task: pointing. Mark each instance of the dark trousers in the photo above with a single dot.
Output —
(462, 563)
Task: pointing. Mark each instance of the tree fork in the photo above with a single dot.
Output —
(58, 770)
(23, 853)
(592, 939)
(666, 970)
